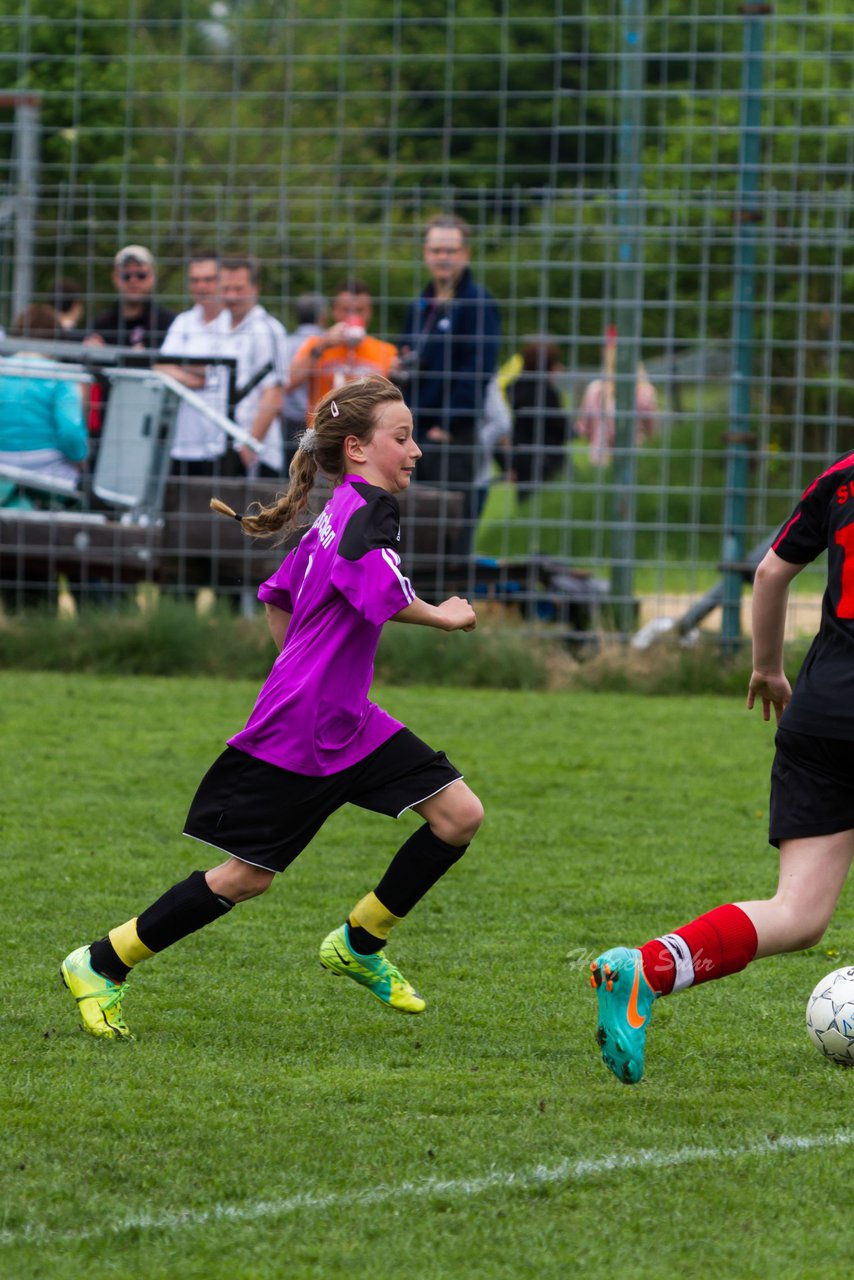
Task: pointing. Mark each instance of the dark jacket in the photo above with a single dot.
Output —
(454, 349)
(540, 428)
(146, 330)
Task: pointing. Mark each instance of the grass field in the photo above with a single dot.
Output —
(272, 1122)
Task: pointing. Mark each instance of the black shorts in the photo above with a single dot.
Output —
(812, 787)
(265, 815)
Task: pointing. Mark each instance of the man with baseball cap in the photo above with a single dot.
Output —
(135, 319)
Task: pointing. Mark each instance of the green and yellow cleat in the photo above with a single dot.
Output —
(375, 972)
(625, 1004)
(99, 999)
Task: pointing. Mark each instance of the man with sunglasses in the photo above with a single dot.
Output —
(135, 319)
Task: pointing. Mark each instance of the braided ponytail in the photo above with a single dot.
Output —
(347, 411)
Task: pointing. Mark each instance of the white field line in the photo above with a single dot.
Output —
(568, 1171)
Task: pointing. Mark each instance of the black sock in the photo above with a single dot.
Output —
(181, 910)
(105, 960)
(186, 907)
(366, 944)
(414, 869)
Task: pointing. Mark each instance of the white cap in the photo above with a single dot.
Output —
(134, 253)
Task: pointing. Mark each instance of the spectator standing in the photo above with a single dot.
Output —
(135, 319)
(595, 421)
(451, 337)
(311, 314)
(540, 422)
(41, 418)
(496, 427)
(258, 341)
(199, 445)
(345, 351)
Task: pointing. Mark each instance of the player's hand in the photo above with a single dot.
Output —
(772, 690)
(439, 435)
(457, 614)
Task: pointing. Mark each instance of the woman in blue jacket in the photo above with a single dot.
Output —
(42, 428)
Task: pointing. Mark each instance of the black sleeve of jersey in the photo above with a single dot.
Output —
(805, 534)
(376, 524)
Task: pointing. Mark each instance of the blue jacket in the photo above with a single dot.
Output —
(454, 349)
(38, 413)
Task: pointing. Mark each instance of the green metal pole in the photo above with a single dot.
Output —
(628, 304)
(740, 439)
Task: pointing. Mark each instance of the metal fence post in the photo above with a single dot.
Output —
(740, 438)
(628, 303)
(21, 206)
(27, 114)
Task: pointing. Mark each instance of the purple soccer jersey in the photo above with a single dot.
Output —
(340, 584)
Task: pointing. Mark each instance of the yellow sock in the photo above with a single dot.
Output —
(127, 945)
(370, 914)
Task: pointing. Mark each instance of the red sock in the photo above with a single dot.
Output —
(714, 945)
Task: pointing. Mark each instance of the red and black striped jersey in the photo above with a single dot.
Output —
(823, 699)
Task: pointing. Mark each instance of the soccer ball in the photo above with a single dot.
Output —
(830, 1016)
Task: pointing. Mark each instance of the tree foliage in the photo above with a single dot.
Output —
(319, 133)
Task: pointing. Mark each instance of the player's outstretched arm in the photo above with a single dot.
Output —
(454, 614)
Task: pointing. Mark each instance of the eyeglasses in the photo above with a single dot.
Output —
(127, 276)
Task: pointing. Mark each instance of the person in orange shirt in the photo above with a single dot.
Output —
(345, 351)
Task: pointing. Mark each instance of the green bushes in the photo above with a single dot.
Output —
(170, 639)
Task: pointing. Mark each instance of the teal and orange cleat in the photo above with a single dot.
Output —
(625, 1004)
(99, 999)
(375, 972)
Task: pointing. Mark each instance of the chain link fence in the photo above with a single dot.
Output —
(653, 189)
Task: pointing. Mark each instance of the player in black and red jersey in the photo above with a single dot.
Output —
(812, 787)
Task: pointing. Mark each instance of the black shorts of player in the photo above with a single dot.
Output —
(265, 815)
(812, 787)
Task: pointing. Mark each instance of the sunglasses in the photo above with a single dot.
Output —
(134, 275)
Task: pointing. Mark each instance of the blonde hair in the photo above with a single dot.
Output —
(348, 411)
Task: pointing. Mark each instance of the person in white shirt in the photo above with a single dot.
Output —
(258, 341)
(199, 446)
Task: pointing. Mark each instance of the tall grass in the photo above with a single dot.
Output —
(172, 640)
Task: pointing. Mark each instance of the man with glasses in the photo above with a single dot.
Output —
(449, 353)
(135, 319)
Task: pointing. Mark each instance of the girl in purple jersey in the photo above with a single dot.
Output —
(812, 788)
(314, 740)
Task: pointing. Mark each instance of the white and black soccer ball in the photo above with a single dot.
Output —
(830, 1016)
